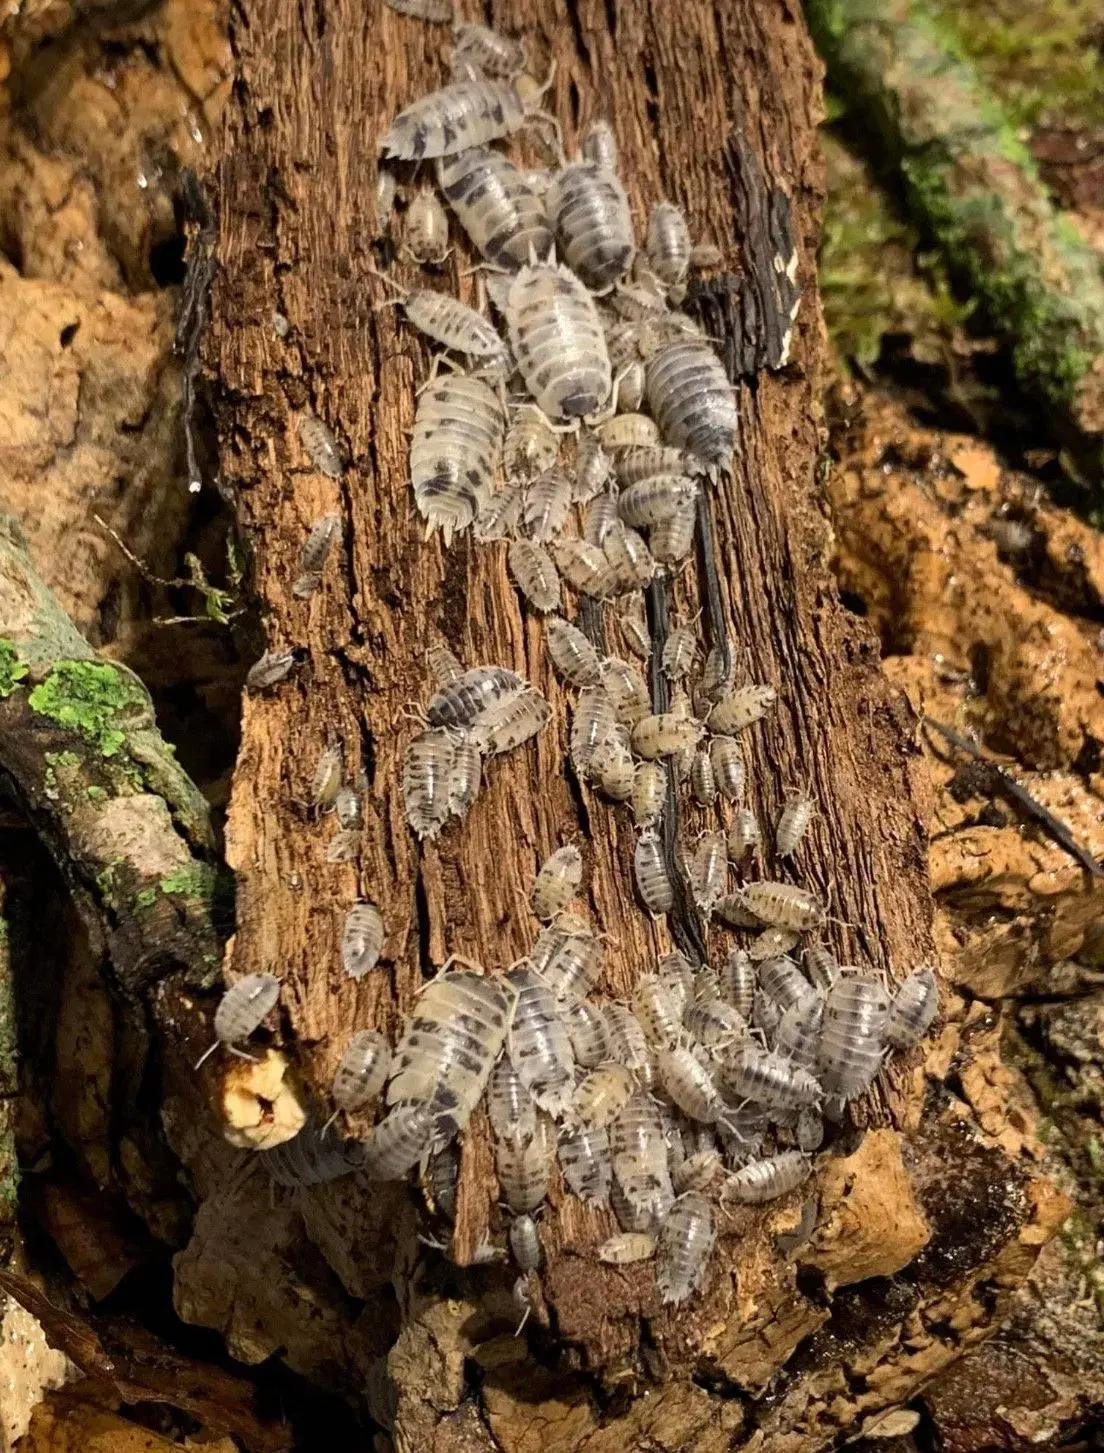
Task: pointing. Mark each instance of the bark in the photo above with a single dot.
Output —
(715, 106)
(974, 187)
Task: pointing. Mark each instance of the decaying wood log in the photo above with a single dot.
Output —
(715, 106)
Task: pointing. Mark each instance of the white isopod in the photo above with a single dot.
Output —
(509, 724)
(557, 882)
(668, 243)
(455, 118)
(627, 1042)
(324, 534)
(425, 229)
(547, 506)
(728, 768)
(714, 1023)
(797, 811)
(666, 734)
(772, 943)
(241, 1010)
(686, 1081)
(458, 430)
(797, 1037)
(592, 467)
(743, 834)
(525, 1243)
(532, 446)
(738, 981)
(601, 1096)
(679, 976)
(568, 956)
(467, 775)
(673, 538)
(657, 1009)
(573, 656)
(679, 652)
(766, 1180)
(912, 1009)
(610, 766)
(348, 808)
(271, 668)
(783, 983)
(362, 1070)
(584, 1157)
(455, 326)
(686, 1241)
(654, 500)
(600, 145)
(592, 722)
(650, 872)
(741, 709)
(628, 431)
(856, 1016)
(361, 940)
(708, 871)
(590, 212)
(328, 773)
(557, 339)
(750, 1073)
(586, 1026)
(649, 793)
(490, 51)
(505, 217)
(784, 905)
(428, 765)
(320, 446)
(499, 516)
(692, 401)
(626, 1247)
(538, 1043)
(535, 574)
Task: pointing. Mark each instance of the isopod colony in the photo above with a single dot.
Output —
(585, 423)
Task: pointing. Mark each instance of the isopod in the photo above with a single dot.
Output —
(650, 871)
(626, 1247)
(312, 558)
(631, 563)
(458, 430)
(387, 186)
(809, 1130)
(535, 574)
(586, 1026)
(750, 1073)
(628, 431)
(627, 690)
(307, 1159)
(601, 1096)
(584, 1157)
(630, 386)
(783, 983)
(454, 118)
(399, 1142)
(766, 1180)
(678, 975)
(793, 820)
(425, 229)
(610, 766)
(667, 243)
(592, 722)
(269, 670)
(772, 943)
(688, 1084)
(645, 461)
(853, 1038)
(463, 702)
(666, 734)
(649, 793)
(738, 981)
(797, 1037)
(600, 517)
(460, 329)
(692, 401)
(673, 538)
(504, 216)
(327, 777)
(912, 1009)
(511, 723)
(348, 809)
(679, 651)
(532, 445)
(557, 339)
(499, 516)
(703, 780)
(784, 905)
(585, 568)
(437, 12)
(592, 467)
(343, 846)
(708, 871)
(525, 1243)
(557, 882)
(443, 665)
(440, 1180)
(573, 656)
(241, 1010)
(650, 502)
(568, 957)
(523, 1166)
(467, 775)
(361, 940)
(686, 1241)
(744, 834)
(362, 1070)
(821, 966)
(493, 53)
(657, 1010)
(510, 1106)
(627, 1042)
(741, 709)
(590, 213)
(538, 1043)
(547, 506)
(640, 1199)
(599, 145)
(427, 781)
(320, 446)
(714, 1023)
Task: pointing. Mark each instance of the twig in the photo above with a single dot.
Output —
(1007, 784)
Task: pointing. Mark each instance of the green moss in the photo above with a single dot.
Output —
(105, 879)
(12, 669)
(96, 794)
(92, 698)
(145, 898)
(196, 882)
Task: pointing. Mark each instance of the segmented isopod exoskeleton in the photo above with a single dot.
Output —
(308, 1159)
(504, 216)
(440, 1180)
(493, 53)
(766, 1180)
(456, 327)
(532, 445)
(628, 431)
(454, 118)
(425, 228)
(467, 775)
(348, 809)
(270, 669)
(510, 1106)
(585, 1161)
(793, 820)
(650, 501)
(586, 1027)
(568, 956)
(687, 1082)
(772, 943)
(666, 734)
(657, 1010)
(686, 1241)
(590, 212)
(697, 1172)
(511, 723)
(741, 709)
(437, 12)
(714, 1023)
(463, 702)
(638, 1133)
(742, 1132)
(320, 446)
(449, 1046)
(610, 766)
(592, 467)
(573, 656)
(535, 574)
(557, 882)
(708, 870)
(673, 538)
(797, 1037)
(626, 1247)
(523, 1166)
(599, 144)
(738, 981)
(912, 1009)
(241, 1010)
(784, 905)
(327, 777)
(679, 976)
(525, 1243)
(732, 910)
(324, 533)
(743, 834)
(592, 722)
(821, 966)
(668, 243)
(399, 1142)
(343, 846)
(649, 793)
(627, 1042)
(750, 1073)
(630, 386)
(853, 1037)
(557, 339)
(600, 517)
(426, 781)
(601, 1096)
(361, 940)
(499, 516)
(706, 254)
(640, 1200)
(645, 461)
(728, 768)
(538, 1043)
(692, 400)
(809, 1130)
(458, 429)
(362, 1070)
(627, 690)
(650, 871)
(547, 506)
(679, 652)
(444, 667)
(585, 568)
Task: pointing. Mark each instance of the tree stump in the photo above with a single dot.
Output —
(818, 1311)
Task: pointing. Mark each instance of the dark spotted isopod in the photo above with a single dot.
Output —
(241, 1010)
(510, 1106)
(738, 981)
(590, 212)
(600, 517)
(425, 228)
(320, 446)
(912, 1009)
(685, 1245)
(679, 652)
(672, 539)
(362, 1070)
(766, 1180)
(592, 467)
(535, 574)
(649, 793)
(510, 724)
(586, 1027)
(666, 734)
(821, 966)
(743, 834)
(741, 709)
(399, 1142)
(796, 813)
(538, 1043)
(627, 1042)
(428, 765)
(499, 516)
(657, 1010)
(573, 656)
(308, 1159)
(458, 430)
(714, 1023)
(568, 956)
(454, 119)
(784, 905)
(772, 943)
(557, 882)
(610, 766)
(650, 871)
(652, 501)
(797, 1038)
(592, 722)
(532, 446)
(585, 568)
(504, 216)
(361, 940)
(524, 1166)
(750, 1073)
(853, 1037)
(601, 1097)
(491, 52)
(557, 339)
(463, 702)
(547, 506)
(687, 1082)
(324, 534)
(467, 774)
(708, 871)
(728, 768)
(525, 1243)
(584, 1157)
(625, 686)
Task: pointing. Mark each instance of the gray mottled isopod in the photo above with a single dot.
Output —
(557, 882)
(657, 1009)
(793, 820)
(610, 766)
(673, 538)
(592, 722)
(523, 1166)
(463, 702)
(531, 446)
(599, 144)
(426, 781)
(626, 1247)
(454, 118)
(728, 767)
(399, 1142)
(651, 501)
(425, 228)
(738, 981)
(679, 651)
(525, 1242)
(327, 776)
(320, 446)
(240, 1011)
(627, 1042)
(511, 723)
(573, 656)
(853, 1037)
(568, 957)
(592, 467)
(626, 689)
(797, 1037)
(444, 666)
(741, 709)
(547, 506)
(492, 52)
(586, 1026)
(912, 1009)
(504, 216)
(688, 1084)
(628, 431)
(743, 834)
(750, 1073)
(667, 243)
(324, 534)
(557, 339)
(650, 871)
(584, 1157)
(538, 1043)
(362, 1070)
(601, 1096)
(692, 400)
(348, 808)
(821, 966)
(766, 1180)
(308, 1159)
(645, 461)
(460, 329)
(499, 516)
(714, 1023)
(649, 792)
(686, 1241)
(666, 734)
(510, 1106)
(585, 568)
(269, 670)
(535, 574)
(467, 774)
(437, 12)
(784, 905)
(361, 940)
(708, 870)
(590, 212)
(772, 943)
(458, 430)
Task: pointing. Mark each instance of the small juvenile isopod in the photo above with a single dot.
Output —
(668, 243)
(387, 186)
(708, 871)
(600, 517)
(744, 834)
(269, 670)
(307, 1159)
(627, 1042)
(821, 966)
(458, 430)
(399, 1142)
(600, 145)
(592, 467)
(728, 767)
(510, 1106)
(535, 574)
(492, 52)
(853, 1037)
(784, 905)
(532, 445)
(592, 722)
(348, 809)
(425, 228)
(797, 1037)
(427, 780)
(796, 813)
(741, 709)
(241, 1010)
(631, 563)
(320, 446)
(557, 339)
(573, 656)
(585, 1161)
(627, 1247)
(640, 1199)
(362, 1070)
(523, 1166)
(666, 734)
(557, 882)
(455, 326)
(498, 208)
(650, 871)
(547, 506)
(525, 1243)
(912, 1009)
(772, 943)
(601, 1096)
(444, 666)
(586, 1027)
(344, 845)
(673, 538)
(498, 517)
(783, 983)
(692, 401)
(649, 793)
(628, 431)
(686, 1241)
(327, 777)
(714, 1023)
(568, 956)
(437, 12)
(766, 1180)
(738, 981)
(657, 1010)
(809, 1130)
(324, 533)
(467, 774)
(361, 940)
(590, 212)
